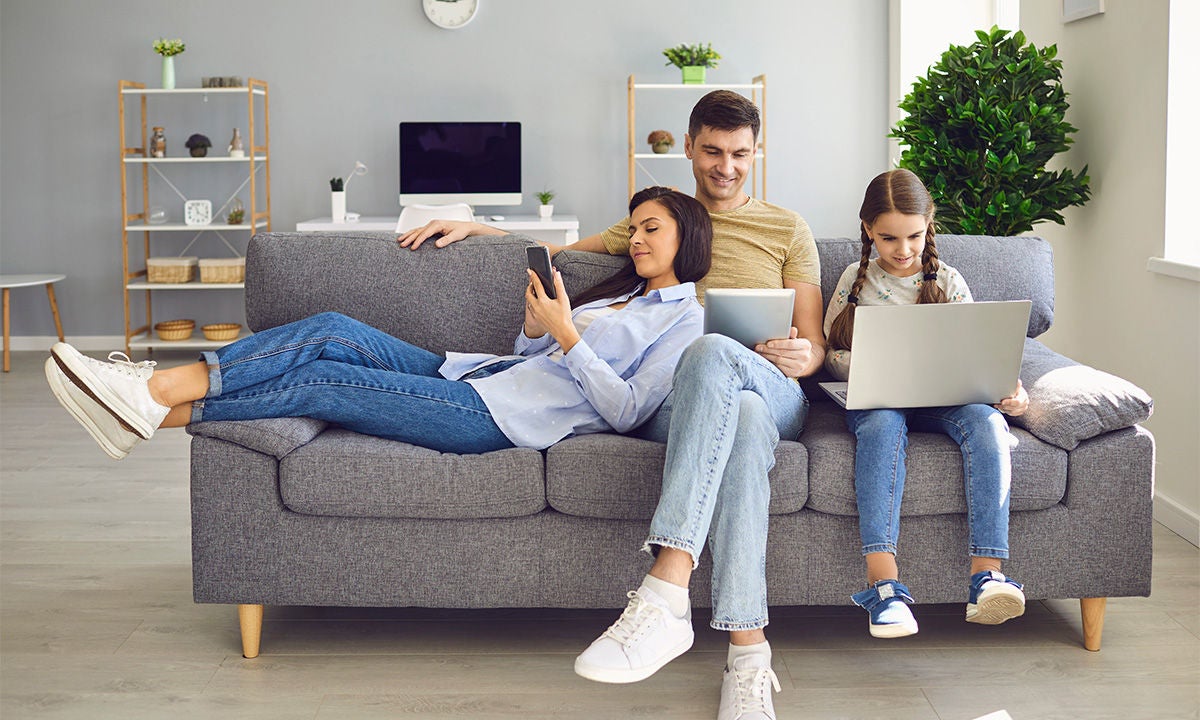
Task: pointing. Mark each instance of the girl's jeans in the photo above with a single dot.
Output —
(334, 368)
(882, 436)
(727, 411)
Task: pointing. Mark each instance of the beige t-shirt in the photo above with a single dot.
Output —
(883, 288)
(757, 245)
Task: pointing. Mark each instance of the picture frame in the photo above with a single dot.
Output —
(1073, 10)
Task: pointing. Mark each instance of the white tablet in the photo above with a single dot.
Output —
(749, 316)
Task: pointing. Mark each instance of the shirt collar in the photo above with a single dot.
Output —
(675, 292)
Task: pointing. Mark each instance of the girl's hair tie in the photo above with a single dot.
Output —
(852, 299)
(930, 276)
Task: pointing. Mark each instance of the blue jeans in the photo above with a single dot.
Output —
(882, 438)
(726, 413)
(334, 368)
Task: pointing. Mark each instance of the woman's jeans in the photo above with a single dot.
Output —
(727, 410)
(334, 368)
(882, 435)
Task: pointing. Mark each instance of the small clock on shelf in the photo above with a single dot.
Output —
(197, 212)
(450, 14)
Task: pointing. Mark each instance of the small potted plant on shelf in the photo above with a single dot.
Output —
(692, 60)
(198, 145)
(546, 209)
(168, 49)
(661, 141)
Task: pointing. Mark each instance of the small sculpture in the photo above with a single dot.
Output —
(198, 145)
(158, 143)
(236, 150)
(661, 141)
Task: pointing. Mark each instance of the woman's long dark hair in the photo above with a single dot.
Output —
(693, 258)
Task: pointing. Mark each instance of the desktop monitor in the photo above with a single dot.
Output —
(478, 163)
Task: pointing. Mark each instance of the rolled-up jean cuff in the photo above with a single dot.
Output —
(674, 544)
(878, 548)
(214, 373)
(738, 626)
(989, 553)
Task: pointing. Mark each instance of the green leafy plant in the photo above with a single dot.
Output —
(168, 48)
(692, 56)
(981, 127)
(545, 196)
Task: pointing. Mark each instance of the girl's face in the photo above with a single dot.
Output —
(653, 242)
(899, 240)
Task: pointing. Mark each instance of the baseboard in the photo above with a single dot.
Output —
(1177, 518)
(89, 343)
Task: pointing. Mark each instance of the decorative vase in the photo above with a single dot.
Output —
(693, 74)
(545, 211)
(338, 206)
(168, 75)
(661, 147)
(236, 149)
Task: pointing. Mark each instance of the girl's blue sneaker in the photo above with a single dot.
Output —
(890, 616)
(994, 599)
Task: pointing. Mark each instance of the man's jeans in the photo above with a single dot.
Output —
(727, 410)
(882, 436)
(334, 368)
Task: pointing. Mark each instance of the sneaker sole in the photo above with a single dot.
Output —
(86, 380)
(894, 630)
(62, 394)
(997, 605)
(621, 677)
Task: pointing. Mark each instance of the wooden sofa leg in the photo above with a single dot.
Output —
(250, 617)
(1093, 621)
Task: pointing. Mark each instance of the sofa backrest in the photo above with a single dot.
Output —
(995, 268)
(468, 296)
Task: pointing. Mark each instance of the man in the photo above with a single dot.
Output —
(728, 408)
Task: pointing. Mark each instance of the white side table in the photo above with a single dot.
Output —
(7, 282)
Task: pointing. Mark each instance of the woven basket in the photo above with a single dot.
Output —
(223, 270)
(175, 329)
(170, 269)
(221, 332)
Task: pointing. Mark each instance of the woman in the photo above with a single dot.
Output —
(604, 365)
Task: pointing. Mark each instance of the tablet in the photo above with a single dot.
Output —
(749, 316)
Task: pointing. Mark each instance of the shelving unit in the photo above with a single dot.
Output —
(136, 162)
(758, 95)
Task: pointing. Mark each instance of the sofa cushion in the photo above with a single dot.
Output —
(345, 474)
(934, 483)
(617, 477)
(270, 436)
(1069, 402)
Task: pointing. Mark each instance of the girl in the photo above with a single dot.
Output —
(606, 365)
(897, 221)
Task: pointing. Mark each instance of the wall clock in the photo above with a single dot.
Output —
(197, 212)
(450, 14)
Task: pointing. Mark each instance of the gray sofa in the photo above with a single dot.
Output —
(295, 512)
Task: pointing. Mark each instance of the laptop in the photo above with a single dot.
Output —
(935, 355)
(749, 316)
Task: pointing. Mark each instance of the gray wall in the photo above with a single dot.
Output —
(343, 74)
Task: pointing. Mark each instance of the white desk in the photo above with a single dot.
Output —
(558, 230)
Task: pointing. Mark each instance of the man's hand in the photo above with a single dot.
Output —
(1015, 404)
(792, 356)
(449, 230)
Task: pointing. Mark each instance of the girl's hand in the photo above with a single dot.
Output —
(544, 315)
(1015, 404)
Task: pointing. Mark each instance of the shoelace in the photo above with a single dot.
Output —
(752, 688)
(637, 613)
(121, 363)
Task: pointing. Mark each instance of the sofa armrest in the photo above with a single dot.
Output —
(1070, 402)
(273, 436)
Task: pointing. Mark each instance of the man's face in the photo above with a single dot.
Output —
(721, 162)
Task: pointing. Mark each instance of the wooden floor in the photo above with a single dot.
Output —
(97, 621)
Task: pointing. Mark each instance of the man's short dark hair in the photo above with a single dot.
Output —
(724, 110)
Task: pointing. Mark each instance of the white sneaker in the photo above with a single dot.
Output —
(994, 598)
(120, 385)
(104, 428)
(645, 637)
(746, 689)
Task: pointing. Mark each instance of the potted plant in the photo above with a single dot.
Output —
(545, 197)
(198, 145)
(661, 141)
(692, 60)
(168, 49)
(980, 129)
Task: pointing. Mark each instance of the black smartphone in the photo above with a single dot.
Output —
(539, 262)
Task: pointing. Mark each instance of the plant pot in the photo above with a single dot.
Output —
(198, 151)
(693, 74)
(338, 206)
(168, 73)
(661, 148)
(545, 211)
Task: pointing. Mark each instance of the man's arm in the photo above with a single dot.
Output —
(591, 243)
(451, 231)
(803, 353)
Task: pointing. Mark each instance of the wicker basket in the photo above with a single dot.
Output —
(223, 270)
(170, 269)
(175, 329)
(221, 332)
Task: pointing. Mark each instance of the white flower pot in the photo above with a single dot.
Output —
(545, 211)
(338, 206)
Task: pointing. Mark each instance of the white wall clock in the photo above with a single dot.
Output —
(197, 212)
(450, 14)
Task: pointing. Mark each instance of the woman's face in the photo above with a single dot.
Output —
(899, 240)
(653, 242)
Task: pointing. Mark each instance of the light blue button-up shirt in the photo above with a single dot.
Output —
(614, 378)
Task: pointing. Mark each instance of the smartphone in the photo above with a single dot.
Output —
(539, 262)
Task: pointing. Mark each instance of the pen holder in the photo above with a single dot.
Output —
(338, 206)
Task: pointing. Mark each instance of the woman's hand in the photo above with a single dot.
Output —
(1015, 404)
(544, 315)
